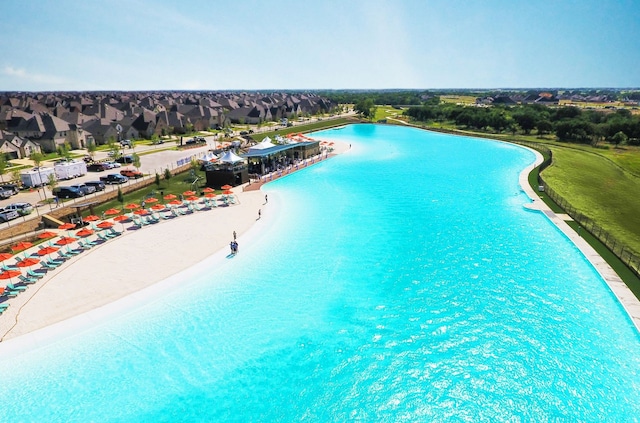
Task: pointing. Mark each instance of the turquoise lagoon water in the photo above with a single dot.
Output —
(401, 281)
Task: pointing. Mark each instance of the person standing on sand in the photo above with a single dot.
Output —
(259, 214)
(234, 235)
(266, 199)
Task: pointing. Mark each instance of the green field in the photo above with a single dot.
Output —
(601, 189)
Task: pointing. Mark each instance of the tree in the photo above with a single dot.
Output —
(52, 183)
(120, 196)
(64, 150)
(167, 173)
(3, 165)
(619, 138)
(365, 108)
(114, 149)
(91, 148)
(544, 127)
(135, 160)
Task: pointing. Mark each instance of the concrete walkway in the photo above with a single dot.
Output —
(628, 300)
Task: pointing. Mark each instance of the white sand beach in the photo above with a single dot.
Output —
(136, 260)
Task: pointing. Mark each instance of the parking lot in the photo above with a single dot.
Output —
(150, 163)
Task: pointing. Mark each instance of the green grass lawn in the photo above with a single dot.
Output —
(600, 189)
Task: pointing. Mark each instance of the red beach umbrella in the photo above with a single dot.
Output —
(132, 206)
(28, 262)
(158, 207)
(141, 212)
(151, 200)
(210, 195)
(5, 256)
(104, 225)
(111, 212)
(22, 245)
(47, 234)
(226, 187)
(121, 218)
(91, 218)
(188, 193)
(84, 232)
(66, 240)
(208, 190)
(193, 198)
(66, 226)
(8, 274)
(227, 192)
(169, 197)
(47, 250)
(176, 203)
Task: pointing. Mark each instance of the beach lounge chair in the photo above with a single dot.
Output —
(114, 232)
(33, 274)
(7, 293)
(17, 288)
(3, 307)
(27, 280)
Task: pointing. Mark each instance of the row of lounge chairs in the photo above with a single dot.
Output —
(48, 264)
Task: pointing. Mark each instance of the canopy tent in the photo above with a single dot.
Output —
(263, 145)
(209, 157)
(231, 157)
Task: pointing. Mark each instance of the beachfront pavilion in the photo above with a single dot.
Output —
(229, 169)
(265, 160)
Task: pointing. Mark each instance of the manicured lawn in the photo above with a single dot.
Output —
(600, 189)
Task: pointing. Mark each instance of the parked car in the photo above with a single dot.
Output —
(11, 187)
(111, 165)
(4, 194)
(98, 185)
(86, 189)
(96, 167)
(7, 215)
(125, 159)
(114, 178)
(126, 143)
(23, 209)
(68, 192)
(131, 173)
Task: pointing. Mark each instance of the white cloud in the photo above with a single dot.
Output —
(23, 74)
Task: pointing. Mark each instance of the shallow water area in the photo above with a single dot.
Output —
(402, 280)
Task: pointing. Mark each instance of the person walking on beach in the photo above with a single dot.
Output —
(231, 247)
(234, 235)
(266, 199)
(259, 214)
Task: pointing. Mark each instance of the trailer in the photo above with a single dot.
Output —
(36, 177)
(69, 169)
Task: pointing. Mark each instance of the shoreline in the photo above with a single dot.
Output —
(115, 287)
(105, 282)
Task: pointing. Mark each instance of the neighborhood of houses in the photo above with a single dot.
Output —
(41, 122)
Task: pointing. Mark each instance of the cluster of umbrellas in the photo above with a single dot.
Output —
(172, 200)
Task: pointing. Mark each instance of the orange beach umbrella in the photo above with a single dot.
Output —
(151, 200)
(91, 218)
(66, 240)
(111, 212)
(47, 234)
(66, 226)
(84, 232)
(121, 218)
(169, 197)
(132, 206)
(5, 256)
(22, 245)
(188, 193)
(28, 262)
(208, 190)
(226, 187)
(104, 225)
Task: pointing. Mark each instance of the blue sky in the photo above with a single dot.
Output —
(286, 44)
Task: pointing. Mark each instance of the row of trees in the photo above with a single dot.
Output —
(567, 123)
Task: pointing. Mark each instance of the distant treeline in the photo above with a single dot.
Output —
(419, 97)
(567, 123)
